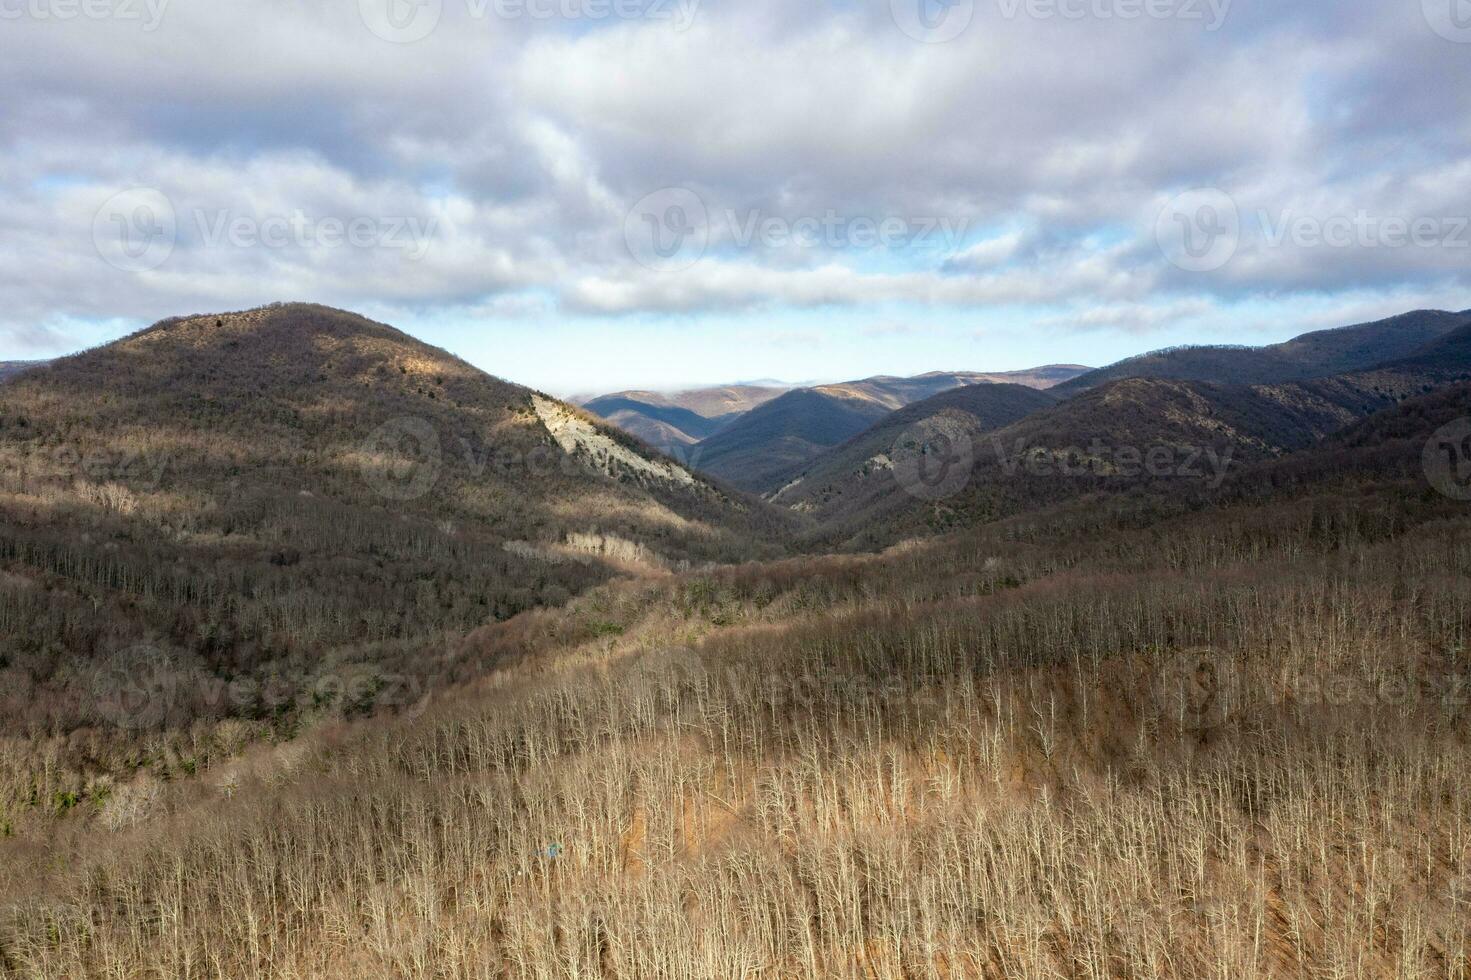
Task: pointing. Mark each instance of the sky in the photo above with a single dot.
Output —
(589, 195)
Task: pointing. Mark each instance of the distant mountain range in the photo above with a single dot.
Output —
(758, 438)
(670, 422)
(1099, 438)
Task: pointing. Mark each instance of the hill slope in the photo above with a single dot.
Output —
(1312, 355)
(287, 488)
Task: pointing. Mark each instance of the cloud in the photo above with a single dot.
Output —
(519, 146)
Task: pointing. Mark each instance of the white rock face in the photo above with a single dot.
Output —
(580, 438)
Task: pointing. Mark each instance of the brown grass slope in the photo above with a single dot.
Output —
(1232, 742)
(285, 490)
(1313, 355)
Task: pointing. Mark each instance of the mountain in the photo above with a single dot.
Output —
(9, 369)
(277, 490)
(1242, 721)
(665, 427)
(769, 446)
(1133, 435)
(1312, 355)
(973, 409)
(671, 422)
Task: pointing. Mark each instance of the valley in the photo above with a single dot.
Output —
(328, 654)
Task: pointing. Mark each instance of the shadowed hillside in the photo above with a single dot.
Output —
(1312, 355)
